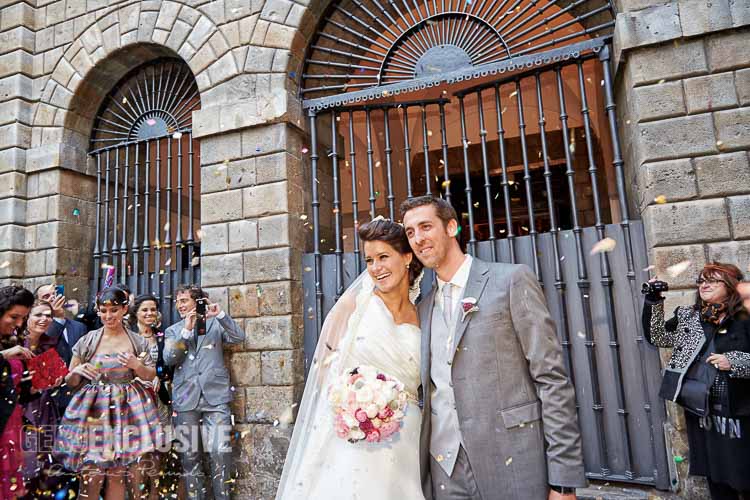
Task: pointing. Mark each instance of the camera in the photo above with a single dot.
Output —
(654, 287)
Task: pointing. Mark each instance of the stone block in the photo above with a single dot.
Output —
(266, 199)
(259, 59)
(710, 92)
(19, 14)
(270, 444)
(243, 301)
(733, 128)
(265, 404)
(739, 212)
(243, 235)
(647, 26)
(274, 332)
(264, 140)
(296, 13)
(12, 184)
(736, 252)
(15, 134)
(670, 61)
(686, 222)
(247, 28)
(658, 101)
(245, 368)
(146, 26)
(220, 148)
(214, 239)
(269, 265)
(279, 298)
(279, 36)
(728, 50)
(221, 270)
(742, 83)
(740, 12)
(704, 16)
(282, 367)
(36, 210)
(201, 32)
(223, 69)
(167, 15)
(669, 256)
(202, 58)
(722, 175)
(274, 231)
(12, 211)
(177, 36)
(677, 137)
(12, 237)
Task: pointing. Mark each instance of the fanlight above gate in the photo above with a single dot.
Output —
(154, 100)
(368, 43)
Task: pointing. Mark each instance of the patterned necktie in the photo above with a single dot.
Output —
(447, 303)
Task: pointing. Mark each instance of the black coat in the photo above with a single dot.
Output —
(164, 372)
(9, 396)
(64, 348)
(688, 335)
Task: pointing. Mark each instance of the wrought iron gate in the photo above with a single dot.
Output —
(526, 149)
(148, 176)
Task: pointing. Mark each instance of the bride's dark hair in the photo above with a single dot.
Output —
(394, 234)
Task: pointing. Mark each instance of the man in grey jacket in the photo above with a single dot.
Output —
(201, 390)
(499, 416)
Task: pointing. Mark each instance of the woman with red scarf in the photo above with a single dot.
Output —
(708, 374)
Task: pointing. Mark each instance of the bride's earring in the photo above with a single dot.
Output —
(407, 266)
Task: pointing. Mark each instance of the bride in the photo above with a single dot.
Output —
(373, 328)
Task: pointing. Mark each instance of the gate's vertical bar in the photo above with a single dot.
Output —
(105, 236)
(339, 252)
(407, 154)
(145, 246)
(426, 151)
(562, 320)
(158, 281)
(135, 245)
(584, 287)
(606, 280)
(97, 250)
(486, 172)
(527, 183)
(388, 164)
(444, 147)
(190, 240)
(370, 174)
(355, 200)
(609, 102)
(167, 283)
(115, 212)
(178, 244)
(467, 177)
(125, 207)
(504, 182)
(316, 221)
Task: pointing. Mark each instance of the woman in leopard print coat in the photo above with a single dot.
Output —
(719, 440)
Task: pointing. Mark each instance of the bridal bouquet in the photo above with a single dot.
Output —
(367, 405)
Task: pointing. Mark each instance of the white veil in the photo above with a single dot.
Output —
(313, 431)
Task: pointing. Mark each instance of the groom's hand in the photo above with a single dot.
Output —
(553, 495)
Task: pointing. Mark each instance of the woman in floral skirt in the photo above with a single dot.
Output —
(111, 422)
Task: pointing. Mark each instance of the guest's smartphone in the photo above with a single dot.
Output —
(59, 290)
(200, 310)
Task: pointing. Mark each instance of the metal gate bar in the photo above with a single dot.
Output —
(603, 307)
(118, 243)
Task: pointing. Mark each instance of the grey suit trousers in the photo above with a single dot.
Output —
(206, 428)
(460, 485)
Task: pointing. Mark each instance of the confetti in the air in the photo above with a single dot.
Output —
(176, 135)
(151, 122)
(660, 200)
(605, 245)
(678, 268)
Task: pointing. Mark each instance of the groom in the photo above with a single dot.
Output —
(499, 417)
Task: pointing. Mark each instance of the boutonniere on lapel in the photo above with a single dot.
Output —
(468, 306)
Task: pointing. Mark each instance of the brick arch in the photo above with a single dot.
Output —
(114, 44)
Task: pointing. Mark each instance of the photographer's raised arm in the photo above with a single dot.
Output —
(657, 331)
(232, 333)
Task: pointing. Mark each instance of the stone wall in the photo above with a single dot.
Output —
(683, 92)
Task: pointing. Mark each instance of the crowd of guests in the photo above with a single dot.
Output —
(133, 411)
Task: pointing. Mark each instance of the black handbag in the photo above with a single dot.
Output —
(696, 386)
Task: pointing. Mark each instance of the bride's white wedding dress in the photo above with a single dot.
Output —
(320, 465)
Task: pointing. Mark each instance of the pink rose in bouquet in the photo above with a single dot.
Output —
(368, 405)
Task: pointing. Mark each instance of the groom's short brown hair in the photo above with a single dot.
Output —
(443, 209)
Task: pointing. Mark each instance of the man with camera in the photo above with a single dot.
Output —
(201, 392)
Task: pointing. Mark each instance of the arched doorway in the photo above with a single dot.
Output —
(506, 109)
(148, 182)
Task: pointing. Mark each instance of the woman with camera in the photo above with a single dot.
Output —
(708, 375)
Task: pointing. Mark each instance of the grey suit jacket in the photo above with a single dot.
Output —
(516, 407)
(200, 369)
